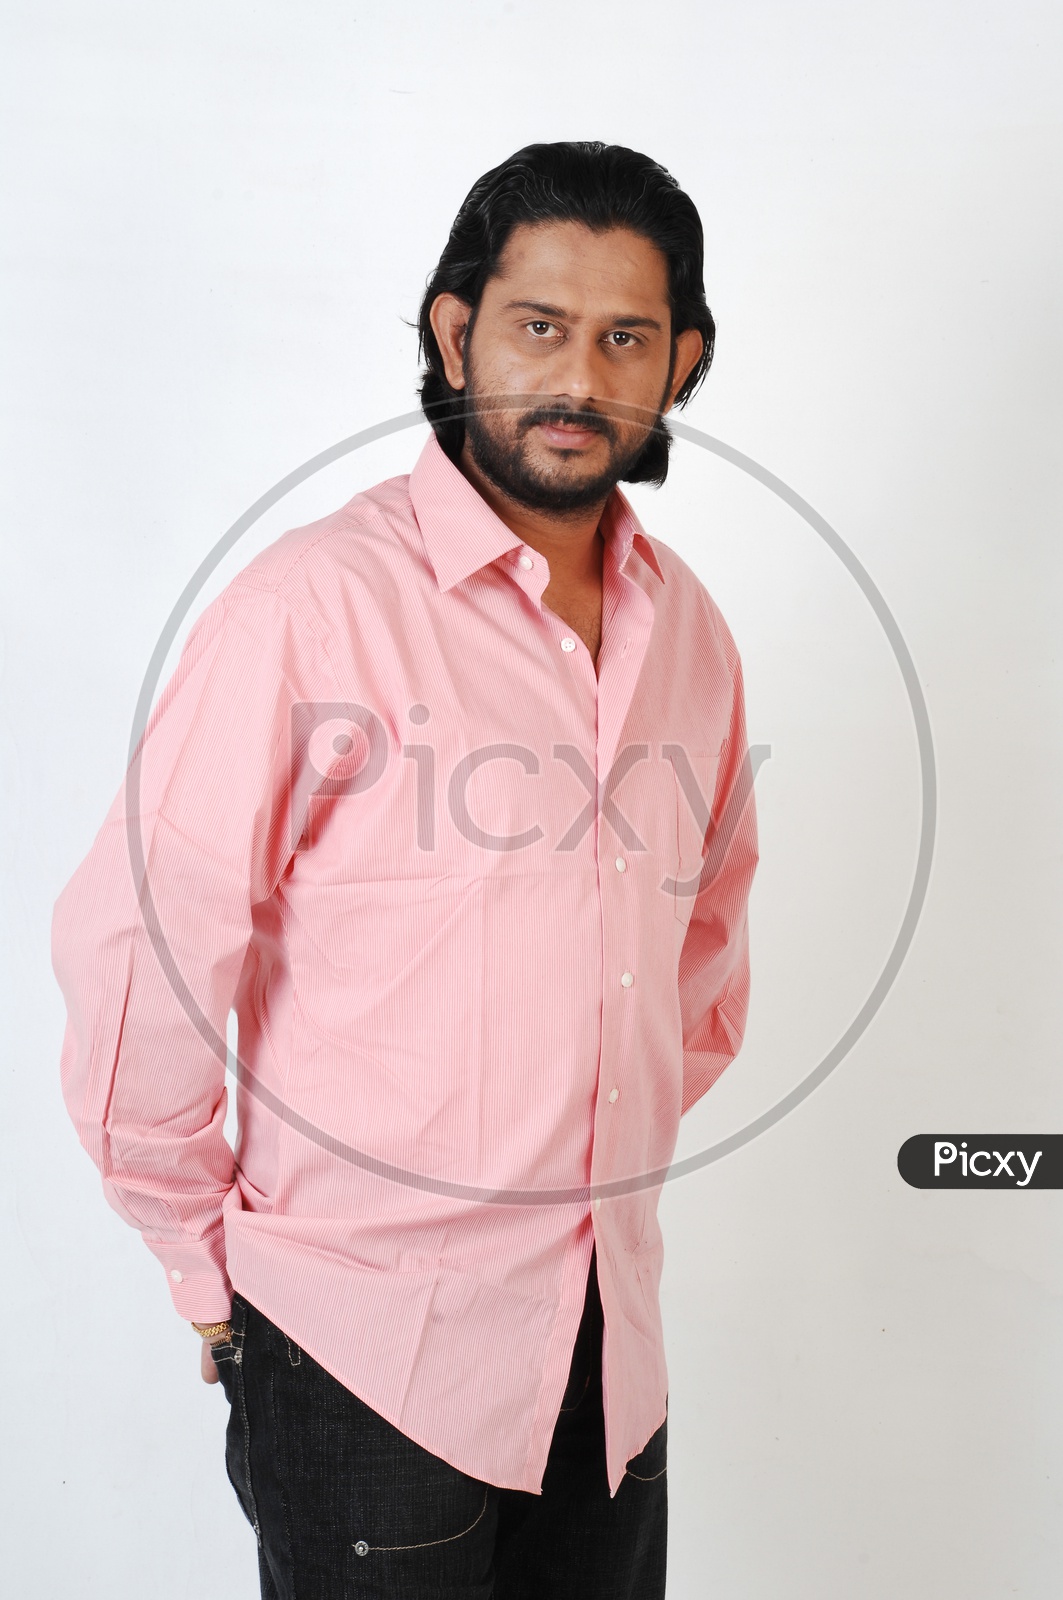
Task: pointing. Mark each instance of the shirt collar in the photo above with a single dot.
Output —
(462, 534)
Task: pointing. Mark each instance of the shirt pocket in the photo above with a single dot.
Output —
(694, 776)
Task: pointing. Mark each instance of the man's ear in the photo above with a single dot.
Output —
(450, 317)
(688, 347)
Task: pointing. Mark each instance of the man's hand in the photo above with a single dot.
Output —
(221, 1332)
(208, 1371)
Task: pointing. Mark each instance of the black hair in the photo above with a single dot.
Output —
(603, 186)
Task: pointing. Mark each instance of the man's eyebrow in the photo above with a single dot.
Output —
(556, 311)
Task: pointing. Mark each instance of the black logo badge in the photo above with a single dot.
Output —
(982, 1161)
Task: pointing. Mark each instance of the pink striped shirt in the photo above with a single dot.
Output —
(481, 914)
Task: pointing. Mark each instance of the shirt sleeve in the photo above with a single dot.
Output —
(714, 962)
(150, 935)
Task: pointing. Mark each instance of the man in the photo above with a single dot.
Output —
(449, 799)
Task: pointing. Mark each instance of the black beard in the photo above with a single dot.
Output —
(504, 464)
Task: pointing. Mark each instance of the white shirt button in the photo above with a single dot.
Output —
(177, 1275)
(614, 1096)
(627, 979)
(621, 864)
(526, 562)
(568, 644)
(597, 1202)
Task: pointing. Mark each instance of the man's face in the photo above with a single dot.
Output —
(568, 364)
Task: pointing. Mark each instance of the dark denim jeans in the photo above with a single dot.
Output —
(345, 1505)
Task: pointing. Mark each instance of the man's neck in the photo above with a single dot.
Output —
(570, 541)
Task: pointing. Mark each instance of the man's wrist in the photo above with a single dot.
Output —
(214, 1332)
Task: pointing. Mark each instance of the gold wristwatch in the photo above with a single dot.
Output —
(211, 1330)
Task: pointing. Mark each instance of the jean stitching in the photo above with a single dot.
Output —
(428, 1543)
(638, 1475)
(238, 1358)
(283, 1490)
(247, 1455)
(295, 1359)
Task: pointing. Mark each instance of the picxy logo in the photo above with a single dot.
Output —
(945, 1152)
(982, 1161)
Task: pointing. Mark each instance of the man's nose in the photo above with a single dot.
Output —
(580, 370)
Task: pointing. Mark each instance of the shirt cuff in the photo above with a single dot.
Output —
(195, 1271)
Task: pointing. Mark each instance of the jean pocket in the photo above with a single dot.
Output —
(229, 1361)
(224, 1355)
(227, 1353)
(651, 1463)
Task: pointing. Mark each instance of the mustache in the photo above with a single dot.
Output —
(552, 415)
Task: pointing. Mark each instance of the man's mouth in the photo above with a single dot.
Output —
(568, 435)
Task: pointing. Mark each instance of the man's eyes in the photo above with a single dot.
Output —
(538, 329)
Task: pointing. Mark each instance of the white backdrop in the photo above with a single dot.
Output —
(218, 216)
